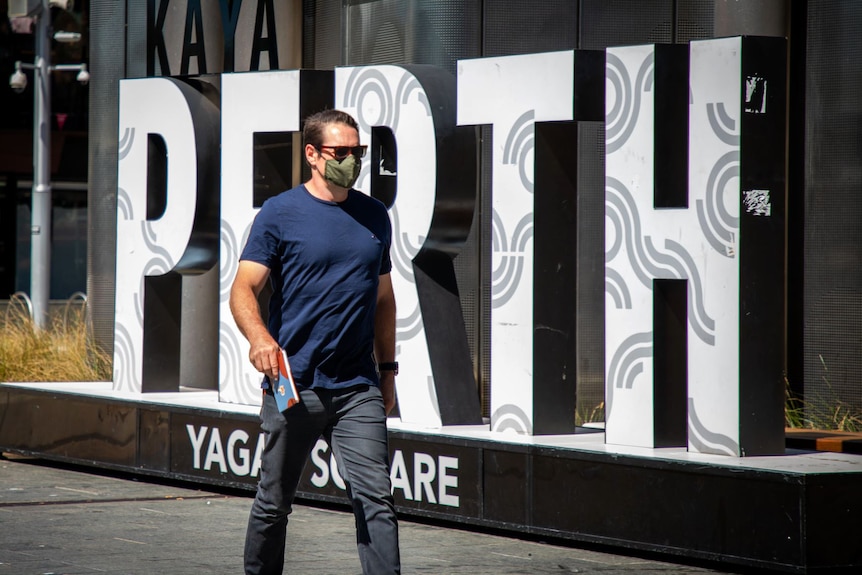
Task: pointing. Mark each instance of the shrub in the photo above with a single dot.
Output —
(60, 352)
(820, 410)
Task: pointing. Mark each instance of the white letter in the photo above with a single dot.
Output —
(392, 97)
(176, 241)
(725, 253)
(258, 451)
(336, 476)
(238, 436)
(511, 94)
(197, 442)
(321, 477)
(423, 475)
(445, 480)
(215, 453)
(251, 102)
(398, 475)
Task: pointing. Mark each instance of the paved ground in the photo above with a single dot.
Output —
(69, 520)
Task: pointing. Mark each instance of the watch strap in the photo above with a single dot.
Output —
(388, 366)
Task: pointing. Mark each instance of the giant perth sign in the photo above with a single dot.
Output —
(694, 229)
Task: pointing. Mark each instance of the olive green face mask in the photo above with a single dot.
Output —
(343, 173)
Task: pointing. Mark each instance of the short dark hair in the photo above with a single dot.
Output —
(313, 130)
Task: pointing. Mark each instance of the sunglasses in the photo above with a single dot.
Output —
(341, 152)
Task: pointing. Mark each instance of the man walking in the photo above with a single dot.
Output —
(325, 248)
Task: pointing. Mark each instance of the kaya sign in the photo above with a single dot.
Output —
(694, 230)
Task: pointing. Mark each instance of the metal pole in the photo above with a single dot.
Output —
(40, 228)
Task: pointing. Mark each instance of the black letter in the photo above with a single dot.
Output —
(268, 44)
(197, 50)
(156, 38)
(229, 18)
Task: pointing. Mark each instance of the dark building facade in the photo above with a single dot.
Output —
(197, 59)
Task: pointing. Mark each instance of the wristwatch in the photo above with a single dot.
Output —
(388, 366)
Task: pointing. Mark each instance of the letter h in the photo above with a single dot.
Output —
(694, 245)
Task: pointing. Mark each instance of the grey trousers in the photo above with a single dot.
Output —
(353, 422)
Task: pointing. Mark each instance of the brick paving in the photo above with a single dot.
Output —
(65, 520)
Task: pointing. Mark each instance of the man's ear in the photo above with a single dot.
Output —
(310, 152)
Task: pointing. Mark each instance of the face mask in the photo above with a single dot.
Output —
(343, 173)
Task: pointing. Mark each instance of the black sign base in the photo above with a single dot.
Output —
(796, 513)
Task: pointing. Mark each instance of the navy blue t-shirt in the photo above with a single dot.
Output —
(325, 259)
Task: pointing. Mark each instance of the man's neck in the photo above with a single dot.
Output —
(323, 190)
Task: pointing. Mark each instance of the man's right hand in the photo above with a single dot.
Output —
(263, 355)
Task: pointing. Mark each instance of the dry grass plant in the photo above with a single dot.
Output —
(590, 414)
(821, 410)
(61, 352)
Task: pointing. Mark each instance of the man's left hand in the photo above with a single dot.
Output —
(387, 386)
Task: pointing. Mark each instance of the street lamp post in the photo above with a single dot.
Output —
(40, 228)
(40, 224)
